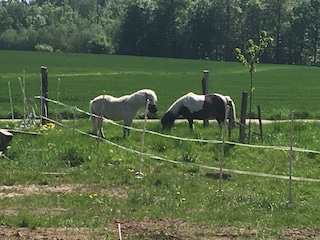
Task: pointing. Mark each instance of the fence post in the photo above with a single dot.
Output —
(44, 94)
(290, 161)
(222, 148)
(11, 104)
(243, 117)
(205, 82)
(260, 123)
(139, 174)
(58, 98)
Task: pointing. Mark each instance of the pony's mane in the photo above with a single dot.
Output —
(149, 92)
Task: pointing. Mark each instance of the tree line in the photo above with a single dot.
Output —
(197, 29)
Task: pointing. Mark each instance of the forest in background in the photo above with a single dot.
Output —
(195, 29)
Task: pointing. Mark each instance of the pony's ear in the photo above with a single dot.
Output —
(147, 96)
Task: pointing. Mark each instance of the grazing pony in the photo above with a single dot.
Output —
(123, 108)
(192, 106)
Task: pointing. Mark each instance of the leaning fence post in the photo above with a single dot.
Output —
(243, 117)
(205, 82)
(44, 95)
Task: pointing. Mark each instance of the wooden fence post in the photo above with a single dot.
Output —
(205, 82)
(242, 133)
(260, 123)
(44, 94)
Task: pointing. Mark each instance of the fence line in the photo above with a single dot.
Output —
(152, 156)
(282, 148)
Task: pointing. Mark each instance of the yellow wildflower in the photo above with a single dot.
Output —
(51, 145)
(51, 125)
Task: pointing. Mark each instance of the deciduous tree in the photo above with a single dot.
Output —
(251, 58)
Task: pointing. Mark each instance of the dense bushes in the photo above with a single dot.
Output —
(209, 29)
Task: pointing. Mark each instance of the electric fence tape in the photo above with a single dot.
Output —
(186, 139)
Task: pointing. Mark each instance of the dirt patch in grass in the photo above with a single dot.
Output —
(297, 233)
(161, 229)
(8, 233)
(164, 228)
(24, 190)
(168, 228)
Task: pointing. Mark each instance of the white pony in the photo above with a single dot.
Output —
(123, 108)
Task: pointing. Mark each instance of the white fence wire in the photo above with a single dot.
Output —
(152, 156)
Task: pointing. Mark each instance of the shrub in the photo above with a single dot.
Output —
(43, 47)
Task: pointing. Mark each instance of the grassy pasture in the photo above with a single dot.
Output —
(279, 89)
(98, 184)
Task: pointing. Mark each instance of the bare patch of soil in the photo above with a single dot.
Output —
(7, 233)
(177, 229)
(23, 190)
(299, 234)
(167, 228)
(163, 228)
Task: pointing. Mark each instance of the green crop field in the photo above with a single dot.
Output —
(278, 89)
(60, 183)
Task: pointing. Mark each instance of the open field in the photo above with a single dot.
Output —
(64, 184)
(279, 89)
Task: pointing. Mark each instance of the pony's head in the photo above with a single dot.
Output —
(167, 121)
(232, 112)
(152, 97)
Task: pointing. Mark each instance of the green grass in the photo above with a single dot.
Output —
(279, 89)
(168, 190)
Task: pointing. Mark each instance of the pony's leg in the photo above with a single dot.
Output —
(126, 131)
(221, 124)
(190, 120)
(124, 134)
(100, 130)
(94, 128)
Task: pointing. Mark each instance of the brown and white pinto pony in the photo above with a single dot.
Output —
(123, 108)
(193, 106)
